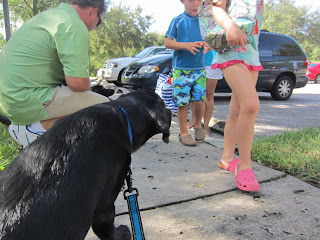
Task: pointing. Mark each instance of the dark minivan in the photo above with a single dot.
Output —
(283, 59)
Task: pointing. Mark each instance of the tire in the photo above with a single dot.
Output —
(118, 83)
(317, 79)
(282, 88)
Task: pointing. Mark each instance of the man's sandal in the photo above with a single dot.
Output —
(246, 180)
(230, 166)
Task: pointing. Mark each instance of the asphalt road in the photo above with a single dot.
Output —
(300, 111)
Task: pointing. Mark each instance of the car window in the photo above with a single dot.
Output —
(158, 50)
(143, 53)
(284, 46)
(313, 64)
(151, 58)
(265, 45)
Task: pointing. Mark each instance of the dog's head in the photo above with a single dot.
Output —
(148, 115)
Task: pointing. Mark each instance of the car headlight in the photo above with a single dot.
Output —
(148, 69)
(109, 65)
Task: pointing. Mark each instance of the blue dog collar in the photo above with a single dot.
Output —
(128, 121)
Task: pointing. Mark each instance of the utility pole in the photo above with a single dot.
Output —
(7, 19)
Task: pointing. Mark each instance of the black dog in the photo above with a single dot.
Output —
(69, 178)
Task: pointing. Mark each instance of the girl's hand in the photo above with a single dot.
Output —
(235, 36)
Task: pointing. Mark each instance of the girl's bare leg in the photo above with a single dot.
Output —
(209, 103)
(244, 107)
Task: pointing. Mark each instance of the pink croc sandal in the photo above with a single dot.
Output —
(231, 166)
(246, 180)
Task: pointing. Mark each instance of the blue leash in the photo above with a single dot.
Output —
(132, 197)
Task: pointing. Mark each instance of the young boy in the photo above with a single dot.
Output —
(189, 75)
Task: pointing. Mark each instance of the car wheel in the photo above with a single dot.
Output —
(282, 88)
(317, 79)
(118, 83)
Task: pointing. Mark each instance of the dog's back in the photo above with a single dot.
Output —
(69, 178)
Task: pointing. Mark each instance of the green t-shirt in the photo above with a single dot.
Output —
(36, 59)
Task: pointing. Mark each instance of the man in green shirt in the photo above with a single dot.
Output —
(44, 68)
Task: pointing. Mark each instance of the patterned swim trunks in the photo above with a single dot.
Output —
(188, 86)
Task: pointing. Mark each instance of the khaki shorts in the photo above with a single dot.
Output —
(64, 101)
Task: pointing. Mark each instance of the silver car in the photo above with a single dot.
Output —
(112, 68)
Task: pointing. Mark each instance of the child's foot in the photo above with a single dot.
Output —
(199, 134)
(190, 124)
(187, 140)
(246, 180)
(206, 132)
(230, 166)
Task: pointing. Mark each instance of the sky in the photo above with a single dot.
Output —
(164, 11)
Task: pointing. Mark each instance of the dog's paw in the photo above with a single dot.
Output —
(102, 91)
(122, 233)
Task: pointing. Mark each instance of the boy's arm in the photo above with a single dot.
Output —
(235, 37)
(190, 46)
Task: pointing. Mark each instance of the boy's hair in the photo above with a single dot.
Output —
(100, 4)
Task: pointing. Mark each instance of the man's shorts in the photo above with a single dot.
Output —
(188, 86)
(213, 73)
(64, 101)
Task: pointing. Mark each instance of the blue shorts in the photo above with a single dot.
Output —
(188, 86)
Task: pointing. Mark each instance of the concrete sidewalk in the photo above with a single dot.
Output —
(184, 195)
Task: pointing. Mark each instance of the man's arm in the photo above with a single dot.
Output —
(78, 84)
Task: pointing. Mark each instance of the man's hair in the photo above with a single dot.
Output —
(100, 4)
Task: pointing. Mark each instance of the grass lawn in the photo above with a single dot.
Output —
(294, 152)
(8, 148)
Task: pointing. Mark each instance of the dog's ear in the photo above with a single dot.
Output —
(164, 123)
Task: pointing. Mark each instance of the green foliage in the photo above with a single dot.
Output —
(8, 148)
(122, 34)
(282, 16)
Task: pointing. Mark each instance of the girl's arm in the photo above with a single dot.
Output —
(235, 36)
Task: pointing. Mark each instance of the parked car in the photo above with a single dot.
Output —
(143, 74)
(112, 68)
(283, 59)
(313, 72)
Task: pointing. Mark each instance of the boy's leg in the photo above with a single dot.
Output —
(192, 120)
(182, 120)
(244, 109)
(198, 112)
(198, 96)
(181, 95)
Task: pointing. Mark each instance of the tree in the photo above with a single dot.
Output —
(282, 16)
(123, 33)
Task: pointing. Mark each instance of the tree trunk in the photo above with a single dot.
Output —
(35, 9)
(6, 19)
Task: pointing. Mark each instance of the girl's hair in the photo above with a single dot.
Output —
(100, 4)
